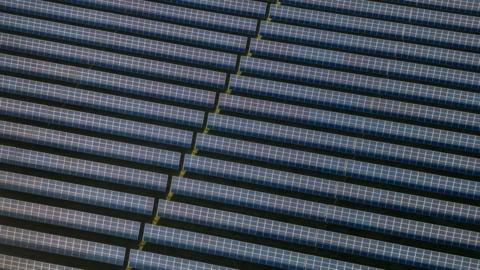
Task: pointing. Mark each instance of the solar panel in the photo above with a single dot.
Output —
(365, 64)
(459, 6)
(69, 218)
(376, 28)
(371, 46)
(17, 263)
(321, 187)
(61, 245)
(151, 261)
(174, 14)
(101, 101)
(76, 193)
(108, 81)
(315, 118)
(356, 83)
(83, 168)
(324, 213)
(240, 250)
(113, 61)
(385, 11)
(89, 145)
(95, 122)
(316, 238)
(312, 96)
(126, 24)
(245, 8)
(118, 42)
(341, 144)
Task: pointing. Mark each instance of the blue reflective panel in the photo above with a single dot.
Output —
(343, 144)
(358, 83)
(113, 61)
(69, 218)
(83, 168)
(302, 235)
(17, 263)
(174, 14)
(355, 103)
(76, 193)
(359, 125)
(62, 245)
(242, 8)
(371, 46)
(376, 28)
(366, 64)
(152, 261)
(357, 194)
(118, 42)
(95, 122)
(89, 145)
(108, 81)
(101, 101)
(325, 213)
(404, 14)
(458, 6)
(240, 250)
(126, 24)
(370, 172)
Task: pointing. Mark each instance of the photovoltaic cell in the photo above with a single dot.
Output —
(126, 24)
(112, 61)
(89, 145)
(17, 263)
(101, 101)
(240, 250)
(338, 143)
(243, 173)
(69, 218)
(316, 238)
(306, 95)
(458, 6)
(243, 8)
(385, 11)
(365, 64)
(370, 172)
(325, 213)
(108, 81)
(315, 118)
(61, 245)
(375, 28)
(118, 42)
(371, 46)
(95, 122)
(76, 193)
(358, 83)
(174, 14)
(83, 168)
(152, 261)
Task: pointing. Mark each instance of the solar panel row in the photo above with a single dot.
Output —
(69, 218)
(77, 193)
(460, 6)
(375, 28)
(315, 238)
(174, 14)
(239, 250)
(102, 172)
(17, 263)
(386, 11)
(112, 61)
(247, 8)
(118, 42)
(321, 187)
(323, 213)
(312, 96)
(127, 24)
(107, 81)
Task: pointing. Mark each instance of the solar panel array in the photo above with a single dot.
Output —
(229, 134)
